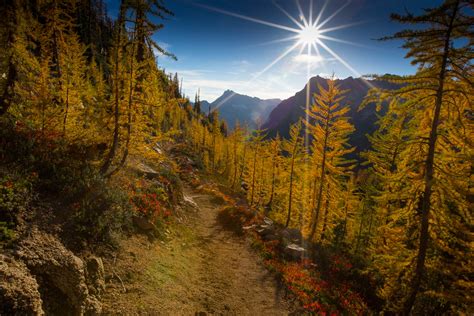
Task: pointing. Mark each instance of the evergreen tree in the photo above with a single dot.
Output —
(145, 13)
(215, 133)
(24, 82)
(330, 128)
(197, 103)
(441, 46)
(116, 61)
(237, 140)
(256, 142)
(274, 150)
(223, 128)
(9, 25)
(73, 83)
(295, 150)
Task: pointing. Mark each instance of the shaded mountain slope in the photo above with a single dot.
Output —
(290, 110)
(248, 110)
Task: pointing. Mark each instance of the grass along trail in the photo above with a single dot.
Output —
(200, 269)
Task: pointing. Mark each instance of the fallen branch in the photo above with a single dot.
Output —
(120, 279)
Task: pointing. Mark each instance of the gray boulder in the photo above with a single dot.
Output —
(294, 252)
(291, 235)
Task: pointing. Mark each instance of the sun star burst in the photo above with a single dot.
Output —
(309, 39)
(308, 36)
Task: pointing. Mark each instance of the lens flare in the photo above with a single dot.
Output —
(309, 33)
(309, 36)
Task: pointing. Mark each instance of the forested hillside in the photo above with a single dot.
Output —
(97, 143)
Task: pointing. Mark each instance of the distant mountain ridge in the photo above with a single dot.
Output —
(290, 110)
(247, 110)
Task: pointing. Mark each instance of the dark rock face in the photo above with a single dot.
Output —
(61, 275)
(268, 232)
(19, 291)
(289, 111)
(95, 276)
(292, 235)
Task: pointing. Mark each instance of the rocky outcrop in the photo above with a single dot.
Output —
(19, 293)
(95, 276)
(61, 275)
(289, 238)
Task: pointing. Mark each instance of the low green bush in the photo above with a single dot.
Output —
(15, 198)
(102, 214)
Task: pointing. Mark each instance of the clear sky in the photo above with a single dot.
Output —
(218, 50)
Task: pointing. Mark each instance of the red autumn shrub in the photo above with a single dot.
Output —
(149, 205)
(316, 295)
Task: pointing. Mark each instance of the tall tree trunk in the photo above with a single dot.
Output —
(325, 215)
(272, 192)
(359, 235)
(225, 172)
(314, 188)
(346, 219)
(236, 163)
(7, 96)
(243, 163)
(115, 142)
(140, 34)
(261, 187)
(213, 150)
(253, 173)
(66, 111)
(9, 13)
(43, 117)
(56, 58)
(314, 223)
(393, 167)
(203, 142)
(290, 196)
(141, 45)
(129, 116)
(429, 171)
(369, 230)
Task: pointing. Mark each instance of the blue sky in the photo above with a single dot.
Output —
(217, 51)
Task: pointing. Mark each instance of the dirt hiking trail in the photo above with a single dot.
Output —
(199, 269)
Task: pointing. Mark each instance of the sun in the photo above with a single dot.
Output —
(309, 35)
